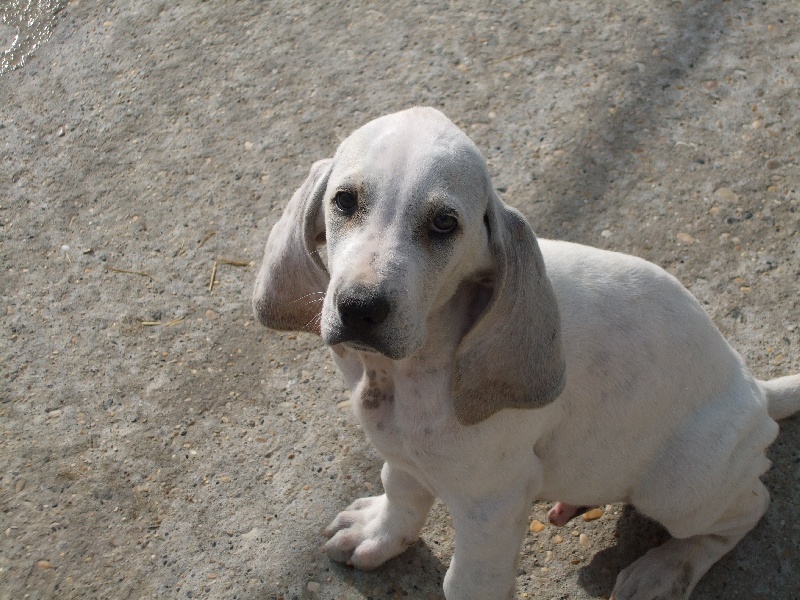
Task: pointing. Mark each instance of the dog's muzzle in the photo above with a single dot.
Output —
(361, 312)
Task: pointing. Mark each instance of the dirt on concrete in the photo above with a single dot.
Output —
(158, 443)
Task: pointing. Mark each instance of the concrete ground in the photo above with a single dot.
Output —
(158, 443)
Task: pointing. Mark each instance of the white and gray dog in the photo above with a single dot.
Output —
(490, 368)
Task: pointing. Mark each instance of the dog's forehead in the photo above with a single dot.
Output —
(418, 147)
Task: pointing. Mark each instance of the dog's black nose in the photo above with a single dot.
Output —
(362, 311)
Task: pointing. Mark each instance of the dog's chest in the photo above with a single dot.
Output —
(404, 410)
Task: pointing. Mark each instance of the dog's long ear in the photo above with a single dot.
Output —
(512, 357)
(293, 279)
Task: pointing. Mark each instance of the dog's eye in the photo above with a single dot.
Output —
(346, 202)
(443, 223)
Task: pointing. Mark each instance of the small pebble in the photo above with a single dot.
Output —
(591, 515)
(557, 539)
(210, 314)
(313, 587)
(548, 556)
(583, 540)
(537, 526)
(60, 132)
(686, 239)
(606, 233)
(20, 485)
(44, 564)
(726, 194)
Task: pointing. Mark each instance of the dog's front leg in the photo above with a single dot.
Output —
(372, 530)
(489, 533)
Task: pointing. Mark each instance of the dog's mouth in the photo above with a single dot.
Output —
(360, 347)
(360, 343)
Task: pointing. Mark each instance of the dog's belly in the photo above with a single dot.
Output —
(658, 456)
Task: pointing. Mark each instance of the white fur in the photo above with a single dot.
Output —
(510, 370)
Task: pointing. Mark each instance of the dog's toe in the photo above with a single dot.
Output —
(365, 536)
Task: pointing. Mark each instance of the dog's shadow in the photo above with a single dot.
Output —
(416, 573)
(635, 535)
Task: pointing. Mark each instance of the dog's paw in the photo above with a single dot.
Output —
(366, 535)
(658, 575)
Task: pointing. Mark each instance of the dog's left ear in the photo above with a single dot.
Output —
(512, 357)
(293, 279)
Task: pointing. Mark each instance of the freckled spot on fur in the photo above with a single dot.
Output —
(374, 393)
(373, 397)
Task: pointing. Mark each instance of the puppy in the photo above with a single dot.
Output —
(490, 369)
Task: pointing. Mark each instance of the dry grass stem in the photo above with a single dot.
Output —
(234, 263)
(213, 276)
(207, 237)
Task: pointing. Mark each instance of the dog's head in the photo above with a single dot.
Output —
(409, 217)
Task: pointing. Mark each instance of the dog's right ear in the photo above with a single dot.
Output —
(292, 281)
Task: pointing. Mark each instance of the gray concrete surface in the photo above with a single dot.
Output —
(158, 443)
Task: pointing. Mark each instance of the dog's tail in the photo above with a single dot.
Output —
(783, 396)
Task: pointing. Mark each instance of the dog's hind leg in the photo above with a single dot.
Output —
(670, 571)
